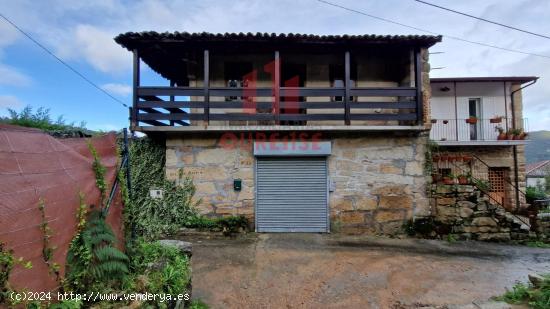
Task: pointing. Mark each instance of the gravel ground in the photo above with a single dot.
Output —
(334, 271)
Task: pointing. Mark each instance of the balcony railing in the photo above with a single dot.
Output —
(289, 105)
(477, 129)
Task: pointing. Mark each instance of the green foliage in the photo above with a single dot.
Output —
(158, 269)
(534, 193)
(67, 304)
(537, 244)
(41, 119)
(431, 148)
(539, 147)
(537, 297)
(198, 304)
(6, 265)
(47, 248)
(99, 171)
(483, 185)
(152, 217)
(93, 261)
(228, 225)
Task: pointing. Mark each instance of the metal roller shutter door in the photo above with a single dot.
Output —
(291, 194)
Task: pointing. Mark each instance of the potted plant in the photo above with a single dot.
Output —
(445, 121)
(436, 158)
(472, 120)
(467, 158)
(501, 133)
(523, 135)
(496, 119)
(463, 180)
(445, 157)
(434, 120)
(510, 134)
(448, 179)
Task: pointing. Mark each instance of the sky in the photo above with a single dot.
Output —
(81, 33)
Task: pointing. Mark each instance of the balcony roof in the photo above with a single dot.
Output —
(133, 40)
(172, 54)
(519, 79)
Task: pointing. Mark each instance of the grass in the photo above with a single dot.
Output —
(536, 297)
(198, 304)
(537, 244)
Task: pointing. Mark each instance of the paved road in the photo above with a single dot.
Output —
(331, 271)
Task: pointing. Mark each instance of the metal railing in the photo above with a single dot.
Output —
(478, 129)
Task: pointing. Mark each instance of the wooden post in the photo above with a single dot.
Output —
(206, 85)
(172, 84)
(134, 113)
(277, 88)
(347, 92)
(418, 84)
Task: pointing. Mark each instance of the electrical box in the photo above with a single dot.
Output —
(331, 185)
(156, 193)
(237, 184)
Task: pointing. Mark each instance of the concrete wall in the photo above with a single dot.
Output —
(379, 182)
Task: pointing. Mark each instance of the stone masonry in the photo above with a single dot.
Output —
(379, 182)
(463, 211)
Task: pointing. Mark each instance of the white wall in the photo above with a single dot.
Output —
(536, 181)
(493, 103)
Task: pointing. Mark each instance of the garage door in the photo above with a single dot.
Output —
(291, 194)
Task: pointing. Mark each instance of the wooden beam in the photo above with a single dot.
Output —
(135, 83)
(172, 98)
(347, 68)
(277, 87)
(167, 106)
(418, 84)
(158, 103)
(206, 85)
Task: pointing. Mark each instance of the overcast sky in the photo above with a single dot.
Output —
(81, 32)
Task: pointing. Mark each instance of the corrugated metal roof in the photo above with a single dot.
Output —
(538, 169)
(132, 40)
(521, 79)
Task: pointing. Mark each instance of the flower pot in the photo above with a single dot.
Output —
(445, 121)
(463, 180)
(435, 178)
(509, 136)
(434, 120)
(522, 136)
(467, 158)
(448, 180)
(502, 136)
(444, 157)
(436, 158)
(471, 120)
(496, 120)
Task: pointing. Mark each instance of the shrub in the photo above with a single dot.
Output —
(227, 225)
(41, 119)
(158, 269)
(534, 193)
(151, 217)
(537, 297)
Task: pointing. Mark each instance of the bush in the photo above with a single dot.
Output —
(537, 297)
(158, 269)
(534, 193)
(41, 119)
(227, 225)
(151, 217)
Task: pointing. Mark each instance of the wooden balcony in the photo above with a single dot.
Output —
(175, 108)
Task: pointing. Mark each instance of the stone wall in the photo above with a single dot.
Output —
(494, 156)
(463, 211)
(378, 180)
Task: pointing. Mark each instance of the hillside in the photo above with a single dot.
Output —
(538, 148)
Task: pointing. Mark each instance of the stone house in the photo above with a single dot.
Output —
(300, 133)
(478, 125)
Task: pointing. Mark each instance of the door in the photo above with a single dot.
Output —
(474, 110)
(291, 194)
(498, 191)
